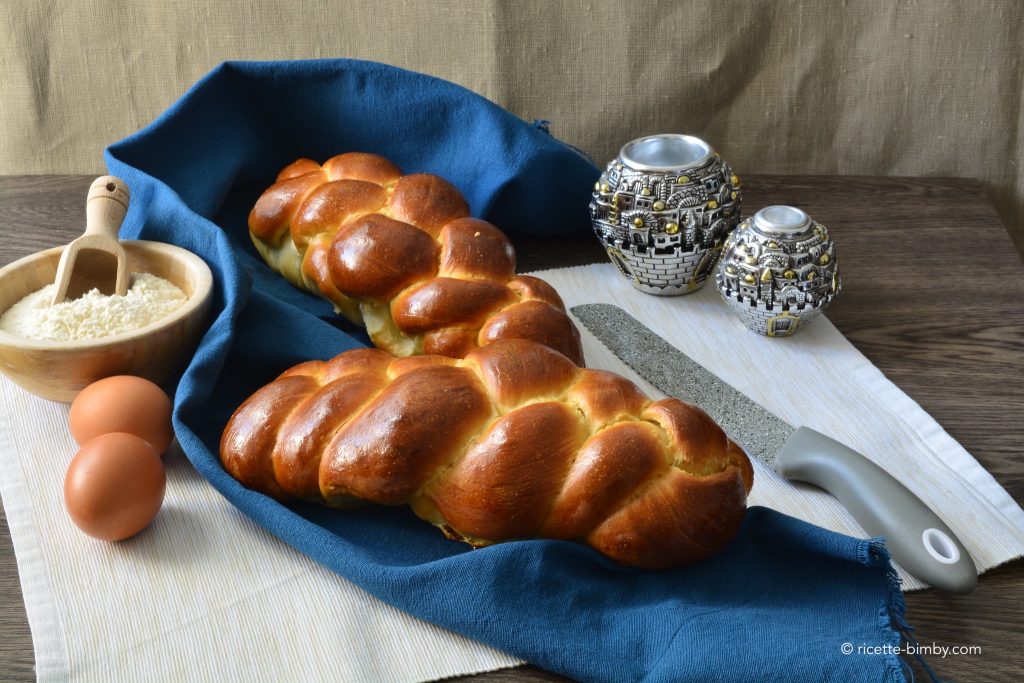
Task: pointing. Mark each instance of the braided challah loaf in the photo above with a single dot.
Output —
(511, 442)
(400, 255)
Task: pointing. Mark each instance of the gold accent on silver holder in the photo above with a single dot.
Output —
(779, 271)
(673, 202)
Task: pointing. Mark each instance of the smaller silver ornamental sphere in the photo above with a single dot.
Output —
(662, 210)
(778, 270)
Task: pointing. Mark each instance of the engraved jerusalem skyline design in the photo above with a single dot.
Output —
(778, 283)
(664, 230)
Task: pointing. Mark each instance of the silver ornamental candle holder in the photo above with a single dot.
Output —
(662, 210)
(778, 271)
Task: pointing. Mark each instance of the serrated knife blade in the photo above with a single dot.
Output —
(917, 538)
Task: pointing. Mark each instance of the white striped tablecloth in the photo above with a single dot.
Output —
(205, 594)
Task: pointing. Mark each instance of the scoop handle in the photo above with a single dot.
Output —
(915, 536)
(106, 206)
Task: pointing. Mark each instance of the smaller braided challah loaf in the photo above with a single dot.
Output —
(400, 255)
(512, 442)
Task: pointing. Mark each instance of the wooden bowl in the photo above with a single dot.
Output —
(58, 370)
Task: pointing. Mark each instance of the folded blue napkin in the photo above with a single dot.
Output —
(782, 603)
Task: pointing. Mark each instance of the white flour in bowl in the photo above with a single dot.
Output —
(92, 315)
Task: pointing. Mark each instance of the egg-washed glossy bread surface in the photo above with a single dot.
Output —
(514, 441)
(400, 255)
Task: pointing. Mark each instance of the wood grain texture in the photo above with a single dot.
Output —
(932, 295)
(97, 259)
(59, 370)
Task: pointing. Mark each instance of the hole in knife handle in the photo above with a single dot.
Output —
(940, 546)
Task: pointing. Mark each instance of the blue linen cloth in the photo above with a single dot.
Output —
(777, 605)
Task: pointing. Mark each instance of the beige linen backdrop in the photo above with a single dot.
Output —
(783, 86)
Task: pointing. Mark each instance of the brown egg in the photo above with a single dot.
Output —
(114, 486)
(122, 404)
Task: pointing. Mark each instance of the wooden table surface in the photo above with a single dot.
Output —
(933, 294)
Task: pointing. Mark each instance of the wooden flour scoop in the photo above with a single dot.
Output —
(96, 260)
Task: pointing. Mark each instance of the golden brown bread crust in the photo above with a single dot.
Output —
(513, 441)
(400, 254)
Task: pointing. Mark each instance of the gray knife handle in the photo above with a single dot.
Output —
(915, 536)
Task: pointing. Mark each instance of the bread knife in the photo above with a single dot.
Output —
(916, 537)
